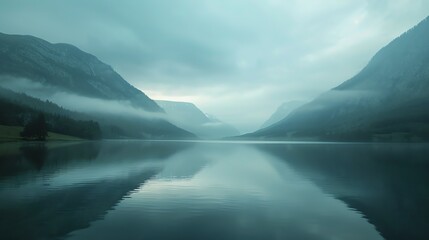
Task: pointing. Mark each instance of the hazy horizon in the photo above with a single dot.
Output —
(280, 119)
(238, 60)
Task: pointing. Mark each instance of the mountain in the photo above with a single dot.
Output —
(66, 67)
(189, 117)
(79, 81)
(282, 111)
(18, 109)
(38, 105)
(387, 101)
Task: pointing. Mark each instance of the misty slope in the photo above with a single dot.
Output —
(68, 68)
(387, 100)
(64, 69)
(18, 109)
(281, 112)
(191, 118)
(39, 105)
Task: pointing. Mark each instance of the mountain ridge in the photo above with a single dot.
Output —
(65, 72)
(188, 116)
(64, 65)
(281, 112)
(386, 101)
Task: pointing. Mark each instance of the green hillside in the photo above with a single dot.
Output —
(11, 133)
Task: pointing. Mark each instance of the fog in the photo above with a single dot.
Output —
(75, 102)
(337, 98)
(238, 60)
(96, 107)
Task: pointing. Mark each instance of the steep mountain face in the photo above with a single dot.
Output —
(281, 112)
(79, 81)
(68, 68)
(387, 100)
(191, 118)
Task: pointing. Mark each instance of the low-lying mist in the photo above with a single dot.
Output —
(76, 102)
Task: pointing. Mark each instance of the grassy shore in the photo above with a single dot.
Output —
(11, 133)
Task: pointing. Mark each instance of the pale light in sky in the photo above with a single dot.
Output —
(235, 59)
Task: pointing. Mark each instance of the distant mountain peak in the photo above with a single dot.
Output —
(189, 117)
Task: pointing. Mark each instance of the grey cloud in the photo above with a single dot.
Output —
(236, 59)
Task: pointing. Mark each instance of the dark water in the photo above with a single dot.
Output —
(183, 190)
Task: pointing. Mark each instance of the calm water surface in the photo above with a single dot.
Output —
(185, 190)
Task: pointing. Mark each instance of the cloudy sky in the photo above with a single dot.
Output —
(236, 59)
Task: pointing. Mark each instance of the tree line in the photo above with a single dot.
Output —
(37, 122)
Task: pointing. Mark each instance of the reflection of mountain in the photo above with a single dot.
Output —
(68, 187)
(386, 183)
(387, 101)
(191, 118)
(22, 159)
(69, 209)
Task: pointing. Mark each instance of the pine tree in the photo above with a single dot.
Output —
(36, 128)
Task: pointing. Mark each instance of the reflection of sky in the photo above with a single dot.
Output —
(249, 191)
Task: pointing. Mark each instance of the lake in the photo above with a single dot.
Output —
(213, 190)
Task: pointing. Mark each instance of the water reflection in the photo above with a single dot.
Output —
(71, 185)
(35, 154)
(388, 183)
(174, 190)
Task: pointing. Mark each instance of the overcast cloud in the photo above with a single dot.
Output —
(236, 59)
